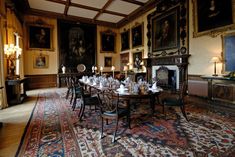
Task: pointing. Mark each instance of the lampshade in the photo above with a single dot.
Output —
(215, 59)
(113, 68)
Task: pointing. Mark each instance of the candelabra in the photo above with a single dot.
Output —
(12, 53)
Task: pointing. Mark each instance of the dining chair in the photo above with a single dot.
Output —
(177, 101)
(86, 99)
(110, 109)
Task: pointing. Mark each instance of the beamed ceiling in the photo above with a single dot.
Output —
(112, 13)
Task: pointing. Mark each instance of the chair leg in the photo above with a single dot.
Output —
(115, 132)
(183, 111)
(74, 103)
(82, 112)
(67, 94)
(102, 127)
(71, 99)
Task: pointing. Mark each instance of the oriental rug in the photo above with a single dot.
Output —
(54, 130)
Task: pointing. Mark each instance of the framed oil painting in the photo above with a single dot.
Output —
(165, 31)
(228, 52)
(137, 59)
(211, 16)
(137, 35)
(125, 38)
(107, 61)
(40, 61)
(40, 37)
(124, 60)
(108, 41)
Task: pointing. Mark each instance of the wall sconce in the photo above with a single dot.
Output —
(215, 60)
(12, 53)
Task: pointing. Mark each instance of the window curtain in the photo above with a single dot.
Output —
(3, 97)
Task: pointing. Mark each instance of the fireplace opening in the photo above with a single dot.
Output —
(167, 76)
(169, 82)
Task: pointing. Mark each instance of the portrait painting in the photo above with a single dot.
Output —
(137, 59)
(228, 52)
(124, 60)
(107, 42)
(125, 38)
(211, 15)
(165, 31)
(77, 45)
(137, 35)
(40, 61)
(107, 61)
(40, 37)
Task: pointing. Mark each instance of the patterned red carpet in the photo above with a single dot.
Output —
(54, 130)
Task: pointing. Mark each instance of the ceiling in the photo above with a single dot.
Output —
(113, 13)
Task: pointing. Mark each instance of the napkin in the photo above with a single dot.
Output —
(101, 85)
(154, 85)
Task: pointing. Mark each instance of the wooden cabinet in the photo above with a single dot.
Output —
(16, 90)
(221, 88)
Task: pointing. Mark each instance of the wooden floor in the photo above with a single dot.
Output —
(15, 119)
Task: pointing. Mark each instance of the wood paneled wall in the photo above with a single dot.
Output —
(42, 81)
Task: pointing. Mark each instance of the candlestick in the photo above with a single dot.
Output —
(101, 70)
(95, 69)
(113, 68)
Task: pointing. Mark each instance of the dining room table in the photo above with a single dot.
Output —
(125, 92)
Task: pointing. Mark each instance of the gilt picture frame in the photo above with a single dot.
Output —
(125, 40)
(165, 31)
(40, 61)
(211, 16)
(108, 40)
(124, 60)
(40, 37)
(228, 46)
(137, 35)
(108, 61)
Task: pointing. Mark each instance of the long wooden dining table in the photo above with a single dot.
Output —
(151, 95)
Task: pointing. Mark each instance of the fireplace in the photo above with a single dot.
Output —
(167, 76)
(175, 70)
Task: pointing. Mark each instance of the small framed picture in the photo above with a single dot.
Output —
(137, 35)
(107, 61)
(108, 42)
(40, 61)
(40, 37)
(137, 59)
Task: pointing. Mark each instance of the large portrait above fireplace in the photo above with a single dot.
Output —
(165, 31)
(76, 45)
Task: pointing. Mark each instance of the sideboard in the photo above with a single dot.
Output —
(221, 88)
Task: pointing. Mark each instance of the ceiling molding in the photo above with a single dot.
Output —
(138, 12)
(68, 17)
(107, 13)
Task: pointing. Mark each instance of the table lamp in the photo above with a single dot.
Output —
(215, 60)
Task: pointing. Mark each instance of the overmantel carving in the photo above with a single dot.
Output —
(179, 60)
(162, 10)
